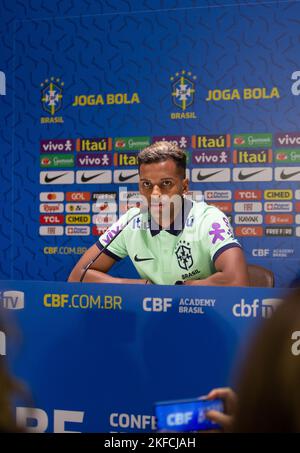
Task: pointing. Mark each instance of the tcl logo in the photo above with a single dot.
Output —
(52, 219)
(157, 304)
(78, 196)
(248, 195)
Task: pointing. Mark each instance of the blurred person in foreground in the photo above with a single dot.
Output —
(171, 240)
(268, 393)
(10, 389)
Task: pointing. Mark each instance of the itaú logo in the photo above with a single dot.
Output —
(256, 309)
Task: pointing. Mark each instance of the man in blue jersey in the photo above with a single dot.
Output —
(172, 240)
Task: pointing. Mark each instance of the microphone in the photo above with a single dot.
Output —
(87, 267)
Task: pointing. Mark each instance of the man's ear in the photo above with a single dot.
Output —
(185, 185)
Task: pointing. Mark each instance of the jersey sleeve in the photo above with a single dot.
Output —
(114, 238)
(218, 233)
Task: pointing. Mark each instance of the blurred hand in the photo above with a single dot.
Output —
(230, 403)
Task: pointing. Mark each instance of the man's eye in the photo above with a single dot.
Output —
(146, 185)
(167, 183)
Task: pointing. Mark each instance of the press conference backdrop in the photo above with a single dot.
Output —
(97, 357)
(91, 91)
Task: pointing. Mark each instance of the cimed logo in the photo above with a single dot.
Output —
(183, 89)
(51, 95)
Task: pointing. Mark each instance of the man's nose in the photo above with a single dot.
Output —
(156, 191)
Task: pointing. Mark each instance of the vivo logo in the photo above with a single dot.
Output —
(12, 300)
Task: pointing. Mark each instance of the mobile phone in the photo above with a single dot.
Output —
(187, 414)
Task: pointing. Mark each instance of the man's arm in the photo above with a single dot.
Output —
(231, 270)
(97, 273)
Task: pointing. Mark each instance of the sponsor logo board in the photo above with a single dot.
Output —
(278, 194)
(51, 230)
(126, 176)
(272, 231)
(217, 195)
(249, 219)
(248, 195)
(57, 146)
(57, 177)
(78, 219)
(254, 156)
(248, 207)
(210, 175)
(249, 231)
(51, 207)
(94, 160)
(279, 219)
(210, 157)
(93, 177)
(51, 196)
(77, 207)
(78, 230)
(284, 206)
(97, 144)
(54, 219)
(252, 140)
(211, 141)
(287, 174)
(78, 196)
(131, 143)
(56, 160)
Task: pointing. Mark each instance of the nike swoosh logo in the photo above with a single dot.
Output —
(89, 178)
(202, 177)
(53, 178)
(287, 176)
(142, 259)
(124, 178)
(242, 177)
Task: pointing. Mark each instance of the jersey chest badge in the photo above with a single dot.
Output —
(184, 255)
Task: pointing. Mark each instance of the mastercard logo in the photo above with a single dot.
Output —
(120, 144)
(51, 196)
(281, 156)
(239, 141)
(45, 161)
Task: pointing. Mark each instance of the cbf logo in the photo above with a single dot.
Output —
(183, 94)
(264, 308)
(51, 98)
(184, 255)
(12, 300)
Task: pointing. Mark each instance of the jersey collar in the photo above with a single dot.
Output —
(156, 229)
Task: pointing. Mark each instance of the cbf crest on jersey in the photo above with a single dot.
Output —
(52, 94)
(184, 255)
(183, 89)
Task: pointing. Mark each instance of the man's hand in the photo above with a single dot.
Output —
(230, 402)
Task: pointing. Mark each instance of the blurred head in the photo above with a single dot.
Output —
(162, 179)
(10, 389)
(268, 390)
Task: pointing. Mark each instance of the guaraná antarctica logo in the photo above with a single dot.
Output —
(51, 99)
(183, 94)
